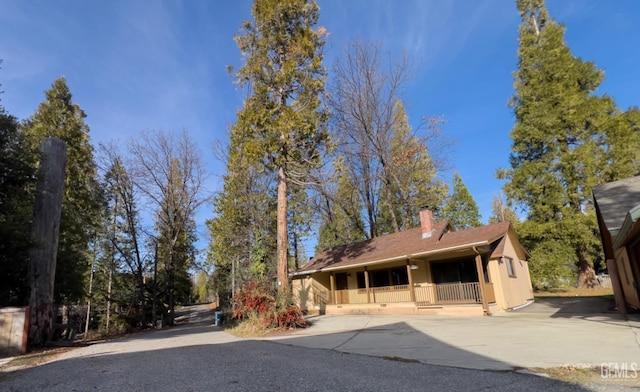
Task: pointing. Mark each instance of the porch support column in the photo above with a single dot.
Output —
(618, 294)
(412, 290)
(483, 296)
(366, 284)
(332, 280)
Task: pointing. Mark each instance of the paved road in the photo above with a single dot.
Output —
(200, 357)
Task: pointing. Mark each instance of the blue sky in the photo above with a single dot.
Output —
(137, 65)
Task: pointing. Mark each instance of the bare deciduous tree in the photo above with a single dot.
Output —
(373, 138)
(168, 170)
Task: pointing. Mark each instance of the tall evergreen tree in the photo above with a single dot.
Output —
(123, 228)
(411, 176)
(17, 174)
(283, 119)
(60, 117)
(565, 140)
(461, 210)
(501, 211)
(340, 211)
(242, 231)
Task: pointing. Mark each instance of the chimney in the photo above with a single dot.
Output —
(426, 222)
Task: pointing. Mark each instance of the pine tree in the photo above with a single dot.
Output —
(242, 230)
(17, 174)
(283, 120)
(565, 141)
(341, 212)
(501, 211)
(123, 230)
(60, 117)
(461, 210)
(411, 177)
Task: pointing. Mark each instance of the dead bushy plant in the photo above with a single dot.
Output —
(258, 303)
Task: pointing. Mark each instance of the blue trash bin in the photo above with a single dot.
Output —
(218, 317)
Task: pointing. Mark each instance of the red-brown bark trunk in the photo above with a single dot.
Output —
(282, 243)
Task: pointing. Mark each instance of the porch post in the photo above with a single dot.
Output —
(332, 280)
(618, 294)
(412, 290)
(366, 284)
(483, 296)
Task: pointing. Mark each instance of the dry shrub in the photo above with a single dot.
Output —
(258, 303)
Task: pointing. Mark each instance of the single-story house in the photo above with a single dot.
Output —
(618, 209)
(431, 269)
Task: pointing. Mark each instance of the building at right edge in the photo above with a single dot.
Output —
(618, 211)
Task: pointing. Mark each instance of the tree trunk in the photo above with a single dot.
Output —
(389, 203)
(109, 300)
(86, 322)
(45, 232)
(154, 317)
(66, 332)
(282, 244)
(587, 275)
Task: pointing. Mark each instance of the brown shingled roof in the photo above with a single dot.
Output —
(407, 244)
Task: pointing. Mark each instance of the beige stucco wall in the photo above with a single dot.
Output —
(511, 292)
(305, 289)
(626, 277)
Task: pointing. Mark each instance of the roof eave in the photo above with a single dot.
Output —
(396, 258)
(629, 221)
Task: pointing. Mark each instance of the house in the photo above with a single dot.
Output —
(618, 209)
(432, 269)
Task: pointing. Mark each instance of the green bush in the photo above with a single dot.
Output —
(552, 266)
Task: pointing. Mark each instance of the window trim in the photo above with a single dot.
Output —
(511, 271)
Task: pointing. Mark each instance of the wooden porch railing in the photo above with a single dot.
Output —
(458, 293)
(320, 298)
(425, 294)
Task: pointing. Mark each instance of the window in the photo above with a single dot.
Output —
(379, 278)
(361, 283)
(385, 277)
(455, 271)
(510, 269)
(399, 276)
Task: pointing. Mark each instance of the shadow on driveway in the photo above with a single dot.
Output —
(258, 365)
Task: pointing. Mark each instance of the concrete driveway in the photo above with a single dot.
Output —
(549, 333)
(198, 356)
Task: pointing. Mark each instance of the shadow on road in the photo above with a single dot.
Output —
(203, 357)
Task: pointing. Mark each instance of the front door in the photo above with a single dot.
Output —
(342, 285)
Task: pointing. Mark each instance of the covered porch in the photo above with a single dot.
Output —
(407, 286)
